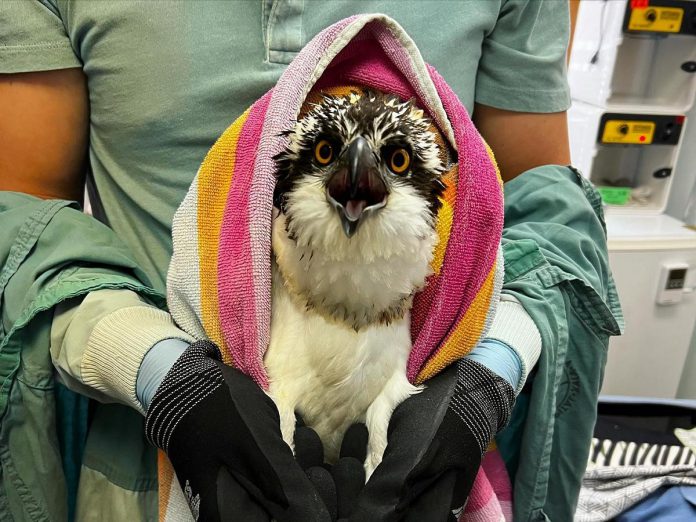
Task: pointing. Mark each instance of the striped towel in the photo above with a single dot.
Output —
(219, 282)
(611, 453)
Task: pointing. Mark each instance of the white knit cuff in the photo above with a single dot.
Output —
(116, 348)
(513, 326)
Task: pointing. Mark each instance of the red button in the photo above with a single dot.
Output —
(642, 138)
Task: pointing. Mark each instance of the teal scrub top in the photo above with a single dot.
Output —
(166, 78)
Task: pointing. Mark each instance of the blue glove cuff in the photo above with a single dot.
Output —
(499, 358)
(156, 363)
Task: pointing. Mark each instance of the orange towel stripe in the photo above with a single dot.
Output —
(165, 477)
(317, 96)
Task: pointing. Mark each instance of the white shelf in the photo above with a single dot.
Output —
(631, 232)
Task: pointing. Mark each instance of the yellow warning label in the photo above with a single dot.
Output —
(660, 19)
(624, 131)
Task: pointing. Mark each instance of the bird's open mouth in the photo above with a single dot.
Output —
(357, 187)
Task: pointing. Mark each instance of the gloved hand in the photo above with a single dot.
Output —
(341, 483)
(221, 433)
(337, 485)
(436, 441)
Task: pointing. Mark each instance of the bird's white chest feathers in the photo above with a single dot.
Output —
(353, 241)
(331, 373)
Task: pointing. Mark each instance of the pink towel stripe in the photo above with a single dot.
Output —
(236, 271)
(478, 216)
(491, 497)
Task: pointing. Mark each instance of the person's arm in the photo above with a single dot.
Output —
(44, 106)
(45, 135)
(216, 425)
(520, 103)
(522, 141)
(44, 129)
(99, 341)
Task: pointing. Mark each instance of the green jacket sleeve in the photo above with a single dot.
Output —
(98, 342)
(557, 266)
(52, 252)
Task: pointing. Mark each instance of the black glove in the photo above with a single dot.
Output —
(221, 433)
(436, 441)
(339, 484)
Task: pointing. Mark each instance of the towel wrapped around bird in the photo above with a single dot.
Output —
(356, 206)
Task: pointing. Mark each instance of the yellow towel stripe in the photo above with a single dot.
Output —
(214, 180)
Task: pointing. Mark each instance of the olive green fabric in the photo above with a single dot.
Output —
(119, 472)
(124, 504)
(45, 258)
(167, 77)
(96, 349)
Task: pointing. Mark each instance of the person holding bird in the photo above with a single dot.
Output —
(127, 98)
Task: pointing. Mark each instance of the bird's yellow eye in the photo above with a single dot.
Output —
(323, 152)
(399, 161)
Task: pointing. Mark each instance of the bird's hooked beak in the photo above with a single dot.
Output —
(357, 187)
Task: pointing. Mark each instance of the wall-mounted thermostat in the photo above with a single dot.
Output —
(671, 283)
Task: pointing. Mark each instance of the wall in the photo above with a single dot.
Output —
(683, 184)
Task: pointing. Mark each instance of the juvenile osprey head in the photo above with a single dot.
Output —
(362, 148)
(358, 189)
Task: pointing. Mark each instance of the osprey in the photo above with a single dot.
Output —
(358, 190)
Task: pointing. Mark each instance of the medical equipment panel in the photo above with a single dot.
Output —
(635, 54)
(629, 157)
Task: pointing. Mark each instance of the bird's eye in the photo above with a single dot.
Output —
(323, 152)
(399, 161)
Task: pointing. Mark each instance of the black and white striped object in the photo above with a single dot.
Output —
(194, 376)
(482, 401)
(611, 453)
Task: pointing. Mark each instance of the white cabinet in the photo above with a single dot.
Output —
(648, 360)
(632, 75)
